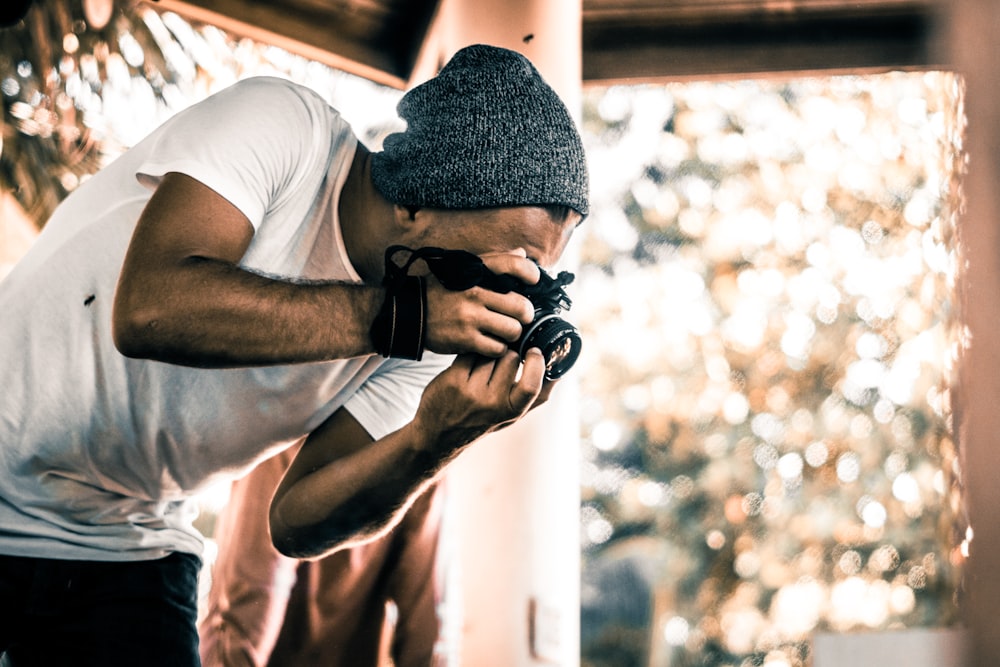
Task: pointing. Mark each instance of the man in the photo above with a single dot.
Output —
(213, 297)
(377, 602)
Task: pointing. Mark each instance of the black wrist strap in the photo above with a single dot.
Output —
(400, 328)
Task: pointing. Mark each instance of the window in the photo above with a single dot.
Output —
(767, 451)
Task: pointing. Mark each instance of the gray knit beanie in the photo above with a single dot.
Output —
(486, 132)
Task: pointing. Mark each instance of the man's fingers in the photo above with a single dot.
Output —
(543, 395)
(505, 370)
(464, 362)
(476, 320)
(527, 388)
(513, 263)
(500, 327)
(511, 304)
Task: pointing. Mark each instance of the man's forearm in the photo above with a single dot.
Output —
(343, 487)
(354, 499)
(246, 319)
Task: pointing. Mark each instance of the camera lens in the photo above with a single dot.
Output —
(558, 340)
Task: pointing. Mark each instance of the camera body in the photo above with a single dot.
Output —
(458, 270)
(559, 341)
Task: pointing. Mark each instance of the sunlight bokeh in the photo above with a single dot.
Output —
(768, 275)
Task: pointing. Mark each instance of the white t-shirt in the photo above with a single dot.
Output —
(100, 454)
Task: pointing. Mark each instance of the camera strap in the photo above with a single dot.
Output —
(399, 328)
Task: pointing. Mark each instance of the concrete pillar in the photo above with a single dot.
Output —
(515, 495)
(975, 52)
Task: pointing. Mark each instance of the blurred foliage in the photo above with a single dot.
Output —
(79, 89)
(58, 74)
(767, 446)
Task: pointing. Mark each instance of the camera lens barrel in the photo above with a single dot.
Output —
(559, 341)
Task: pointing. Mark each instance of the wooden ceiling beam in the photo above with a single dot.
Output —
(623, 40)
(711, 11)
(629, 41)
(371, 39)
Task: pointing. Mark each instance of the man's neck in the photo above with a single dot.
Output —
(363, 214)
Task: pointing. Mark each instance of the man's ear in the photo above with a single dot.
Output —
(407, 212)
(409, 220)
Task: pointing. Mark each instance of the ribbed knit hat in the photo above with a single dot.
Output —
(486, 132)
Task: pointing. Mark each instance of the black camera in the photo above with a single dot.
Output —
(558, 340)
(458, 270)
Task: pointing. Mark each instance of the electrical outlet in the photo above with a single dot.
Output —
(545, 631)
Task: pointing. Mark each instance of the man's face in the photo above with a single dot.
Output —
(497, 230)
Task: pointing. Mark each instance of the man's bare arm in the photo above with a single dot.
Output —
(183, 298)
(344, 489)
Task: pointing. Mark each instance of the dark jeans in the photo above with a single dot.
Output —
(83, 613)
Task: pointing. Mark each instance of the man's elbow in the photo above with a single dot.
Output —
(126, 341)
(289, 541)
(297, 544)
(132, 331)
(310, 542)
(294, 549)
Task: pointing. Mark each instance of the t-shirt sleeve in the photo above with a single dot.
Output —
(389, 398)
(251, 143)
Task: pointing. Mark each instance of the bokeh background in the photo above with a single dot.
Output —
(766, 293)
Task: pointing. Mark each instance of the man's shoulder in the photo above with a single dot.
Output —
(271, 94)
(262, 89)
(270, 83)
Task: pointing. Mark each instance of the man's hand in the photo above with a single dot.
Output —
(477, 395)
(478, 320)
